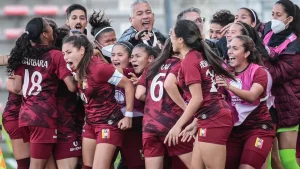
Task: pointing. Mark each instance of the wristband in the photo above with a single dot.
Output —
(128, 114)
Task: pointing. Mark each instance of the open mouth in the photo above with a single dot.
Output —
(70, 65)
(232, 58)
(135, 66)
(146, 24)
(78, 27)
(117, 64)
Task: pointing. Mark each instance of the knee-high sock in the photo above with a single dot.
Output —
(288, 158)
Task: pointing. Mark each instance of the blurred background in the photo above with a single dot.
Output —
(15, 14)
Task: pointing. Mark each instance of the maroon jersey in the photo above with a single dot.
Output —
(160, 113)
(195, 69)
(70, 113)
(260, 116)
(41, 77)
(12, 108)
(97, 92)
(121, 98)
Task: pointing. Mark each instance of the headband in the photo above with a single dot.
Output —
(247, 32)
(102, 30)
(254, 15)
(126, 46)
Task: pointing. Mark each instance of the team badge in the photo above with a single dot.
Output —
(84, 84)
(105, 134)
(202, 132)
(259, 143)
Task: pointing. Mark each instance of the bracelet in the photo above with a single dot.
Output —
(128, 114)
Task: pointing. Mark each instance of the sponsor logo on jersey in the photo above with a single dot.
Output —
(105, 134)
(202, 132)
(259, 143)
(204, 64)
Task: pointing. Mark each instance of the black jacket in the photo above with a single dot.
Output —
(129, 35)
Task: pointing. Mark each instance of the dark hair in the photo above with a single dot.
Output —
(253, 34)
(249, 45)
(148, 49)
(75, 7)
(191, 35)
(166, 53)
(292, 10)
(98, 22)
(23, 47)
(53, 26)
(222, 17)
(191, 9)
(79, 41)
(254, 17)
(62, 32)
(127, 46)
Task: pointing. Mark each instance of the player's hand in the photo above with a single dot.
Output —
(222, 82)
(189, 132)
(125, 123)
(173, 135)
(143, 35)
(225, 29)
(133, 78)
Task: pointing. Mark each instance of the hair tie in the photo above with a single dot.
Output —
(102, 30)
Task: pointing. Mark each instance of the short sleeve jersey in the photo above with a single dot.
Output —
(120, 94)
(41, 77)
(70, 112)
(160, 113)
(259, 117)
(195, 69)
(97, 93)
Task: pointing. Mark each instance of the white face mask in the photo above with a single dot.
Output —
(106, 50)
(277, 25)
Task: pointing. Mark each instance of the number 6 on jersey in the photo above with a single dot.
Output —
(157, 83)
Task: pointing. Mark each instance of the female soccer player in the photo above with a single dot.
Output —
(10, 121)
(161, 113)
(251, 139)
(282, 40)
(104, 34)
(104, 119)
(241, 28)
(38, 68)
(131, 149)
(197, 79)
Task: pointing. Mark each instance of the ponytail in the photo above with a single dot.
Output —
(22, 48)
(215, 61)
(296, 22)
(166, 53)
